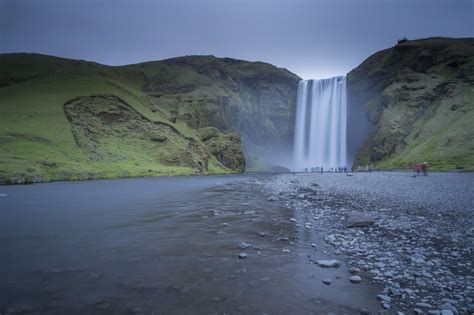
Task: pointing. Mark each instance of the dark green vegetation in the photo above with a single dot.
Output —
(420, 100)
(66, 119)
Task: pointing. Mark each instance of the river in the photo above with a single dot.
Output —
(165, 245)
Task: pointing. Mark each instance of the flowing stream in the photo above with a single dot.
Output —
(164, 246)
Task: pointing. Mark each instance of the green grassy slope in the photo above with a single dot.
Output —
(39, 143)
(254, 99)
(420, 99)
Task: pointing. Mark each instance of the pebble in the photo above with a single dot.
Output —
(355, 279)
(354, 270)
(243, 255)
(331, 263)
(326, 281)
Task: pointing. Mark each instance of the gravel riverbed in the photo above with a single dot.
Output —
(415, 238)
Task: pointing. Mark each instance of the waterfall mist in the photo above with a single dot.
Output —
(320, 126)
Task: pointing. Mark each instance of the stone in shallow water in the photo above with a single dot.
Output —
(355, 279)
(330, 263)
(327, 281)
(354, 270)
(243, 255)
(384, 298)
(358, 219)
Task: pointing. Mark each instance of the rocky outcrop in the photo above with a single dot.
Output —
(226, 148)
(254, 99)
(414, 102)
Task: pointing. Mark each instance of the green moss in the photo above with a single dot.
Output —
(70, 120)
(420, 97)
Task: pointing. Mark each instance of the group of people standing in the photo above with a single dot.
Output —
(320, 169)
(421, 168)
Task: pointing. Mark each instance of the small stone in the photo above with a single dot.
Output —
(331, 263)
(355, 279)
(326, 281)
(384, 298)
(447, 312)
(292, 219)
(313, 245)
(225, 224)
(243, 255)
(354, 270)
(386, 305)
(424, 305)
(283, 238)
(262, 234)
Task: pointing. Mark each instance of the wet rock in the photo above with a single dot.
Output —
(243, 255)
(244, 245)
(358, 219)
(384, 298)
(326, 281)
(330, 263)
(423, 305)
(293, 220)
(447, 312)
(355, 279)
(354, 270)
(262, 234)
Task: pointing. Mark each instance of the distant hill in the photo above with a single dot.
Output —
(64, 119)
(419, 98)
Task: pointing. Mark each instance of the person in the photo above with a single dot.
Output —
(417, 168)
(424, 168)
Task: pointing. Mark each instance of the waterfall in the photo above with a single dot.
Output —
(320, 125)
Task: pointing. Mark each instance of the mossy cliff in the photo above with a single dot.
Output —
(254, 99)
(64, 119)
(419, 100)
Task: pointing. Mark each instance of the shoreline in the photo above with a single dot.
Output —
(418, 246)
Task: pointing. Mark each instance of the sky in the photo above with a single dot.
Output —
(312, 38)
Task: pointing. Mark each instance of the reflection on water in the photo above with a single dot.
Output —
(162, 246)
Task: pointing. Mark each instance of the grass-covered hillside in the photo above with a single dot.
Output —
(70, 119)
(420, 100)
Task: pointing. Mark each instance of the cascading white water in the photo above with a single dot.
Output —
(320, 127)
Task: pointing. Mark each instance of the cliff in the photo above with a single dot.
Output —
(418, 101)
(63, 119)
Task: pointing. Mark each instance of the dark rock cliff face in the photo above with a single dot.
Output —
(254, 99)
(414, 102)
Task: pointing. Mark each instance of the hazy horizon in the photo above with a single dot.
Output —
(313, 39)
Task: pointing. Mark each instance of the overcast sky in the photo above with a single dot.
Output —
(312, 38)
